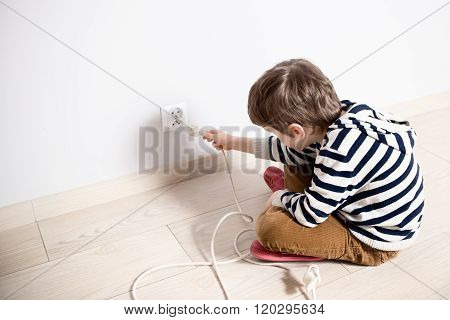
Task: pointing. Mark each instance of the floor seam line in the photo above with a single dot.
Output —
(170, 230)
(40, 232)
(423, 283)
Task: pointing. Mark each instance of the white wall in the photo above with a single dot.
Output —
(64, 124)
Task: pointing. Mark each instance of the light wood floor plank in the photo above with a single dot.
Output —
(436, 296)
(433, 167)
(436, 215)
(432, 130)
(16, 215)
(109, 270)
(381, 282)
(21, 248)
(13, 281)
(429, 262)
(64, 234)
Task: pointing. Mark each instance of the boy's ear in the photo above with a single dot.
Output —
(296, 130)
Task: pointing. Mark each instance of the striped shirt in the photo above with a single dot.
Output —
(364, 173)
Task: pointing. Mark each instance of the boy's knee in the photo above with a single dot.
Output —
(382, 257)
(269, 223)
(388, 255)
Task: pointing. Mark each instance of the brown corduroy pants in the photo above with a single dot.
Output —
(278, 231)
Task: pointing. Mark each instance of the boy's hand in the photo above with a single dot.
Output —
(270, 201)
(221, 140)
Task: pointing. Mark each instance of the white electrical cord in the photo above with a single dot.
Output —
(310, 279)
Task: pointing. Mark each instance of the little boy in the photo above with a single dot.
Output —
(351, 188)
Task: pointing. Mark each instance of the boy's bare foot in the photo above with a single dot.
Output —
(274, 178)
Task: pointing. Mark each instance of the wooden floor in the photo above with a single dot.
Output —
(47, 249)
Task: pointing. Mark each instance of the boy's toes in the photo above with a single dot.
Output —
(272, 170)
(274, 178)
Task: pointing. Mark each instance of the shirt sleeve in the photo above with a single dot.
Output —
(336, 178)
(271, 148)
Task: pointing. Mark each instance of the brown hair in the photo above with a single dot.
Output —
(293, 91)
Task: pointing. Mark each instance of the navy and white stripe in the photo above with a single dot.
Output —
(281, 153)
(365, 173)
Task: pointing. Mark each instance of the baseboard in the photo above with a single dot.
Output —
(420, 105)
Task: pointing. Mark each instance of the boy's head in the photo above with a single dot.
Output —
(294, 100)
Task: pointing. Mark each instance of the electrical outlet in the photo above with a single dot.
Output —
(174, 116)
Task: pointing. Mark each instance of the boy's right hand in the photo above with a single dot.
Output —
(221, 140)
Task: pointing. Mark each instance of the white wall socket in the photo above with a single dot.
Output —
(174, 116)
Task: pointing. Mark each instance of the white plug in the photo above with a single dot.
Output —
(195, 131)
(311, 279)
